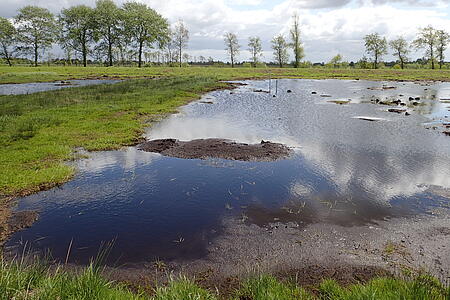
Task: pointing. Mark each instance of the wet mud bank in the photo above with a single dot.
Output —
(217, 148)
(12, 222)
(311, 254)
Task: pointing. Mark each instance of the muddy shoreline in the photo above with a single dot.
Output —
(309, 255)
(12, 222)
(217, 148)
(399, 247)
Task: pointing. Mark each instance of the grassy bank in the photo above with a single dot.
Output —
(41, 74)
(36, 281)
(38, 132)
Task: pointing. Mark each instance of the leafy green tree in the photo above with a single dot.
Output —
(280, 50)
(37, 29)
(144, 26)
(255, 49)
(443, 39)
(296, 42)
(77, 24)
(427, 39)
(363, 63)
(108, 24)
(376, 46)
(336, 61)
(401, 50)
(180, 39)
(7, 39)
(232, 46)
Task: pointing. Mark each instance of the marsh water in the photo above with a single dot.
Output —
(29, 88)
(346, 171)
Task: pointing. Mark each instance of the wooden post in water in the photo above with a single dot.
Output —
(270, 85)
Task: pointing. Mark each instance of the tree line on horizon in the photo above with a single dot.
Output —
(433, 41)
(106, 32)
(110, 33)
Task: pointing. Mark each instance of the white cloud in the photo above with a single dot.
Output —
(245, 2)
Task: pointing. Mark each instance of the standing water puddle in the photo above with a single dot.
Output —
(345, 170)
(29, 88)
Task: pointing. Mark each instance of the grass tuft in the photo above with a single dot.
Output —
(182, 289)
(422, 287)
(266, 287)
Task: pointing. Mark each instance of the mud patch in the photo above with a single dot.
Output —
(397, 110)
(217, 148)
(340, 102)
(22, 219)
(370, 119)
(13, 222)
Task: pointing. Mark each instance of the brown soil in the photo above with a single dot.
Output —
(11, 222)
(397, 110)
(217, 148)
(308, 255)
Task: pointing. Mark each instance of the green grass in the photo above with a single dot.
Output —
(38, 281)
(22, 74)
(182, 289)
(422, 287)
(38, 132)
(268, 288)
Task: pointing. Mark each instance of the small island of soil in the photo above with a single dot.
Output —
(217, 148)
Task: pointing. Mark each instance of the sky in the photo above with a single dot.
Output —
(328, 27)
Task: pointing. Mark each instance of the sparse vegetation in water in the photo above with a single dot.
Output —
(19, 280)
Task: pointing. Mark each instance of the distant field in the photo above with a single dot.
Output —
(42, 74)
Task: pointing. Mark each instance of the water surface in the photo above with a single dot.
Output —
(30, 88)
(345, 171)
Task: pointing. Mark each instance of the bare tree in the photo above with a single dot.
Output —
(186, 57)
(280, 52)
(255, 49)
(443, 39)
(376, 46)
(180, 39)
(427, 39)
(296, 42)
(232, 46)
(169, 48)
(401, 50)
